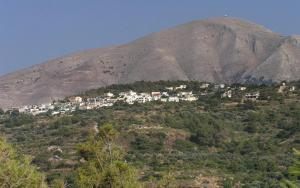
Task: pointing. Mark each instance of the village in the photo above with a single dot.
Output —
(171, 94)
(109, 99)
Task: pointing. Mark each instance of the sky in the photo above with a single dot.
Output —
(34, 31)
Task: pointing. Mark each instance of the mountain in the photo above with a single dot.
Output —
(224, 50)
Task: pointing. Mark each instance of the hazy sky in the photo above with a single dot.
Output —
(33, 31)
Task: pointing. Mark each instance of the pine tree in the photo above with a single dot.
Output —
(16, 170)
(104, 164)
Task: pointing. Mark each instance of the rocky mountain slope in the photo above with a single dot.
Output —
(216, 50)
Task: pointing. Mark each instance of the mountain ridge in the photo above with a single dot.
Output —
(225, 50)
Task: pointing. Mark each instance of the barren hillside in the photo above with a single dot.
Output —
(216, 50)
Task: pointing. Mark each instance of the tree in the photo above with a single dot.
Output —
(104, 165)
(16, 170)
(294, 172)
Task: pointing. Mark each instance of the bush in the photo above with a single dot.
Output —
(144, 144)
(18, 120)
(184, 146)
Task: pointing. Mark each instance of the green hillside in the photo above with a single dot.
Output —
(213, 142)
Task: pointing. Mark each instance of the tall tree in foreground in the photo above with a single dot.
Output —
(294, 172)
(104, 164)
(16, 170)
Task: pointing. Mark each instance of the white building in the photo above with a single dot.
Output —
(55, 113)
(180, 87)
(164, 99)
(185, 93)
(76, 99)
(292, 88)
(109, 94)
(144, 97)
(170, 88)
(173, 99)
(281, 88)
(156, 95)
(243, 88)
(219, 86)
(227, 94)
(128, 94)
(190, 98)
(204, 86)
(165, 94)
(252, 96)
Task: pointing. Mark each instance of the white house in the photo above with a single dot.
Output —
(180, 87)
(282, 87)
(128, 93)
(204, 86)
(252, 96)
(76, 99)
(55, 113)
(170, 88)
(185, 93)
(24, 109)
(130, 100)
(227, 94)
(190, 98)
(292, 88)
(242, 88)
(144, 97)
(156, 95)
(165, 94)
(109, 94)
(164, 99)
(173, 99)
(219, 86)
